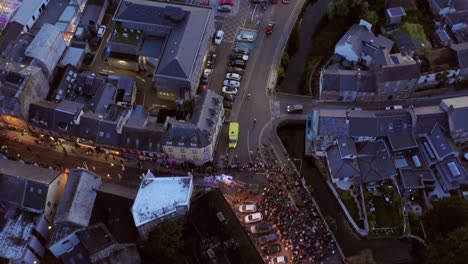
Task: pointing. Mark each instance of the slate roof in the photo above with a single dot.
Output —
(78, 198)
(457, 18)
(407, 70)
(186, 24)
(10, 34)
(457, 4)
(457, 109)
(346, 146)
(357, 35)
(348, 80)
(405, 43)
(396, 11)
(379, 123)
(25, 186)
(427, 150)
(441, 144)
(342, 168)
(375, 162)
(402, 141)
(415, 178)
(427, 117)
(332, 122)
(462, 53)
(451, 174)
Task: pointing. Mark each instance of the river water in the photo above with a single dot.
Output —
(384, 251)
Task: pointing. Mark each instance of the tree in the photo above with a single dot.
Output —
(331, 222)
(452, 248)
(448, 214)
(166, 243)
(371, 17)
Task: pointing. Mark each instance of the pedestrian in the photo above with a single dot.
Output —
(255, 120)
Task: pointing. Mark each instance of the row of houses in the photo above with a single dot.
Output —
(44, 209)
(418, 144)
(365, 69)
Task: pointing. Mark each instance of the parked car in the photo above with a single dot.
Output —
(285, 2)
(297, 108)
(243, 50)
(224, 8)
(253, 218)
(231, 83)
(229, 90)
(271, 249)
(265, 239)
(206, 76)
(211, 60)
(238, 56)
(269, 28)
(236, 70)
(219, 37)
(261, 228)
(394, 107)
(279, 259)
(226, 2)
(238, 63)
(202, 88)
(247, 208)
(246, 37)
(233, 76)
(101, 31)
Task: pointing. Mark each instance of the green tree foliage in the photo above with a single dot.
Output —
(354, 9)
(166, 243)
(285, 60)
(293, 42)
(447, 215)
(331, 222)
(452, 248)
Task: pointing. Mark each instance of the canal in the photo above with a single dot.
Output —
(384, 251)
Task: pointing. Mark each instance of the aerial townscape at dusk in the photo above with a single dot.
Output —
(233, 131)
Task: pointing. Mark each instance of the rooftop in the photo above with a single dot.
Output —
(16, 232)
(451, 174)
(158, 197)
(28, 172)
(78, 198)
(415, 178)
(442, 145)
(402, 141)
(457, 109)
(375, 162)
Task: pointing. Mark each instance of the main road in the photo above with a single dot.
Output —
(254, 112)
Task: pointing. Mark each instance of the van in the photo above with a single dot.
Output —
(295, 108)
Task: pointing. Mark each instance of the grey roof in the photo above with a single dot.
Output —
(457, 109)
(427, 117)
(396, 72)
(346, 146)
(427, 150)
(457, 4)
(342, 168)
(78, 198)
(10, 34)
(379, 123)
(375, 162)
(396, 11)
(462, 53)
(357, 35)
(441, 144)
(152, 47)
(416, 178)
(405, 43)
(348, 80)
(25, 185)
(457, 18)
(402, 141)
(187, 26)
(60, 231)
(451, 174)
(47, 47)
(332, 122)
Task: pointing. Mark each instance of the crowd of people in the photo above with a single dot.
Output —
(288, 205)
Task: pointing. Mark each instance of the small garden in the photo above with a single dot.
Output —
(351, 205)
(384, 211)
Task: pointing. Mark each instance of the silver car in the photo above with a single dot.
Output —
(231, 83)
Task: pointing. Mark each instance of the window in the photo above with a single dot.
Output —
(194, 151)
(182, 150)
(101, 133)
(31, 189)
(48, 204)
(195, 158)
(183, 156)
(34, 18)
(39, 191)
(170, 149)
(107, 135)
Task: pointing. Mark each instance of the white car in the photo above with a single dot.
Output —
(279, 259)
(248, 208)
(394, 107)
(246, 37)
(233, 76)
(231, 83)
(219, 37)
(253, 218)
(101, 31)
(231, 91)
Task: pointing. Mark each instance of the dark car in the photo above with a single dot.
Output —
(236, 70)
(269, 28)
(261, 228)
(239, 56)
(224, 8)
(271, 249)
(243, 50)
(238, 63)
(211, 61)
(265, 239)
